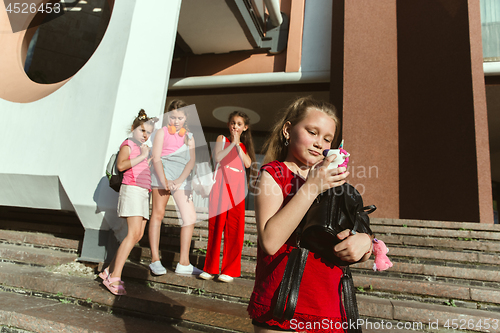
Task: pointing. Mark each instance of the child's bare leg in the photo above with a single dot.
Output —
(160, 199)
(136, 225)
(188, 215)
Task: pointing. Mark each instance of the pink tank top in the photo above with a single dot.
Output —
(139, 174)
(171, 142)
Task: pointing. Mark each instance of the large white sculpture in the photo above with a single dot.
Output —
(57, 138)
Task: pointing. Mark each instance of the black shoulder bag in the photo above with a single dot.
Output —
(333, 211)
(114, 175)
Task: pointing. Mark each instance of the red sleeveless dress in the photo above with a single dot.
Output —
(319, 306)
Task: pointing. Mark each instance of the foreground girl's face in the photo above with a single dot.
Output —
(310, 137)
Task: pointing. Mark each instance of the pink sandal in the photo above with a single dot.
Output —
(115, 289)
(104, 274)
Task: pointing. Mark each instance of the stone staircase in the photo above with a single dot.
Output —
(444, 272)
(445, 275)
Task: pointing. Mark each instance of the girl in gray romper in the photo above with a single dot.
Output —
(173, 160)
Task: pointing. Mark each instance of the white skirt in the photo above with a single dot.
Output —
(133, 201)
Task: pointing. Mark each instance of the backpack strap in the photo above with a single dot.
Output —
(369, 209)
(350, 303)
(288, 293)
(135, 141)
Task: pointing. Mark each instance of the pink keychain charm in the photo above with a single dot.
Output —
(382, 262)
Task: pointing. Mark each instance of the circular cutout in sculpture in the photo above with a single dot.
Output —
(65, 40)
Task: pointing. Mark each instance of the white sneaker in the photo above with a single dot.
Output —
(187, 270)
(206, 276)
(225, 278)
(157, 268)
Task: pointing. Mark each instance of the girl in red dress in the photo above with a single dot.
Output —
(227, 199)
(287, 186)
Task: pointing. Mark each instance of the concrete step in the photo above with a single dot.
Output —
(439, 235)
(434, 232)
(38, 215)
(438, 292)
(238, 291)
(170, 223)
(439, 271)
(411, 269)
(36, 314)
(169, 242)
(143, 300)
(169, 250)
(436, 224)
(34, 256)
(202, 311)
(39, 239)
(435, 263)
(474, 297)
(448, 255)
(70, 231)
(171, 211)
(441, 243)
(431, 317)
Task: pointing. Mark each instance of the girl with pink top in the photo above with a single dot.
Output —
(133, 200)
(173, 160)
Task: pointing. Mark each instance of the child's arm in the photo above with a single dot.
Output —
(123, 163)
(220, 153)
(189, 165)
(275, 224)
(157, 164)
(247, 161)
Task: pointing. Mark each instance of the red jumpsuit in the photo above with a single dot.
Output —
(227, 213)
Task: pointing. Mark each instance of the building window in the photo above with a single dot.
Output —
(490, 27)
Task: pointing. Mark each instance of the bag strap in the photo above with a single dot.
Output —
(369, 209)
(289, 290)
(217, 165)
(350, 304)
(361, 211)
(135, 141)
(352, 219)
(288, 293)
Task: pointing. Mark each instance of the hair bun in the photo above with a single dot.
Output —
(142, 115)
